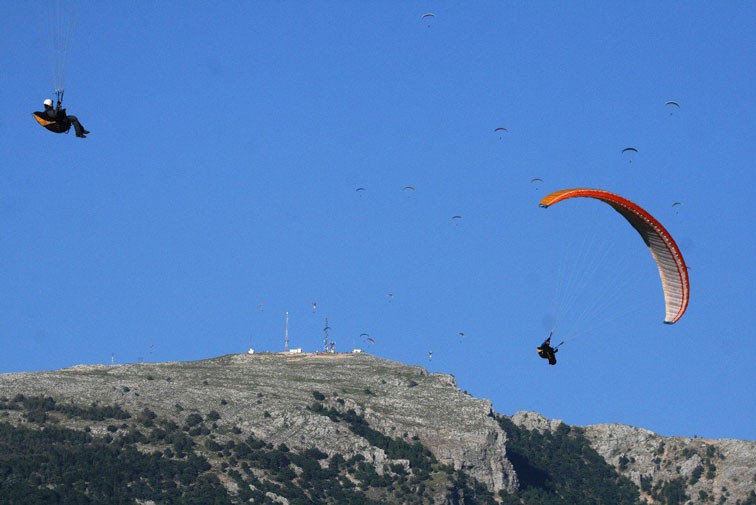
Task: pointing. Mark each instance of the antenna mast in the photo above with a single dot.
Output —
(286, 341)
(325, 338)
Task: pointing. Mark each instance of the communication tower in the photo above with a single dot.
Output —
(286, 338)
(325, 338)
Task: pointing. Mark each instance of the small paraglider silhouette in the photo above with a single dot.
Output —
(629, 153)
(537, 181)
(390, 297)
(673, 105)
(500, 130)
(456, 218)
(428, 17)
(367, 337)
(314, 306)
(677, 206)
(430, 355)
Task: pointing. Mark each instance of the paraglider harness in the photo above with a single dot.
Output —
(61, 124)
(547, 352)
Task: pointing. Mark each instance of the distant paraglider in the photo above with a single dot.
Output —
(500, 130)
(409, 188)
(671, 104)
(428, 17)
(629, 153)
(669, 260)
(368, 338)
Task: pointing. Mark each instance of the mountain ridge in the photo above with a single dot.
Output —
(304, 400)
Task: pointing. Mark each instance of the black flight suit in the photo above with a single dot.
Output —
(547, 352)
(56, 120)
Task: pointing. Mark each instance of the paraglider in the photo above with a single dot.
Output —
(408, 188)
(390, 297)
(547, 352)
(428, 17)
(54, 117)
(314, 306)
(629, 153)
(500, 130)
(536, 181)
(673, 104)
(359, 189)
(456, 218)
(57, 120)
(669, 260)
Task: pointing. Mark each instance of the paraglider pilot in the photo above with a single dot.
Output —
(547, 352)
(56, 120)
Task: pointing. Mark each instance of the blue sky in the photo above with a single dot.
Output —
(217, 191)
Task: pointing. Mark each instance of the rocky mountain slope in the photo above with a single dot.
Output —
(669, 469)
(363, 409)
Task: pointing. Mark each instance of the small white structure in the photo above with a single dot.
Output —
(251, 351)
(298, 350)
(356, 351)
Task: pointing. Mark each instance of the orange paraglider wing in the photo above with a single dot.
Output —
(669, 259)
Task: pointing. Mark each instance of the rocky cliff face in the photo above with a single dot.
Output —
(710, 471)
(698, 471)
(269, 395)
